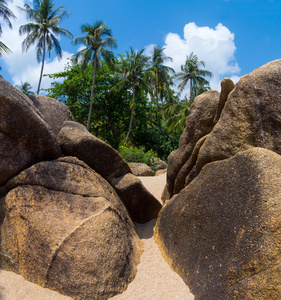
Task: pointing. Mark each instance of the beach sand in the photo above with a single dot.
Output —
(154, 280)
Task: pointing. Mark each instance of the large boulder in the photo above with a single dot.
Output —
(75, 140)
(64, 227)
(251, 117)
(141, 204)
(54, 112)
(25, 137)
(199, 123)
(248, 115)
(222, 232)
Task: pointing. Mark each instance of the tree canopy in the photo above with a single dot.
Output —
(190, 71)
(96, 41)
(127, 99)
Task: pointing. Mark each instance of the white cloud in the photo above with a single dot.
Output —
(148, 50)
(214, 46)
(24, 67)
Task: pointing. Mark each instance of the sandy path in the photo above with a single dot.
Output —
(154, 279)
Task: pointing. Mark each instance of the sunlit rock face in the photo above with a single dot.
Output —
(199, 123)
(251, 117)
(244, 116)
(221, 233)
(220, 228)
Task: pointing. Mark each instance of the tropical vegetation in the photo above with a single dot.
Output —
(96, 41)
(43, 30)
(132, 70)
(190, 71)
(25, 88)
(5, 14)
(129, 100)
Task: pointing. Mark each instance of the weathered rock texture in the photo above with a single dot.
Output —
(141, 204)
(75, 140)
(25, 138)
(222, 232)
(140, 169)
(199, 123)
(64, 227)
(247, 116)
(251, 117)
(54, 112)
(227, 86)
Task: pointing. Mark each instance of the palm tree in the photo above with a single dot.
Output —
(6, 14)
(3, 48)
(25, 88)
(97, 39)
(161, 72)
(132, 68)
(177, 113)
(43, 30)
(161, 79)
(191, 71)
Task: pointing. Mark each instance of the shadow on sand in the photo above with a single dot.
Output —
(145, 231)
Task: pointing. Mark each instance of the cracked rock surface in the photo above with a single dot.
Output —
(64, 227)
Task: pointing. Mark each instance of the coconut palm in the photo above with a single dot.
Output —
(25, 88)
(43, 30)
(177, 113)
(191, 72)
(6, 14)
(160, 71)
(3, 48)
(96, 41)
(132, 68)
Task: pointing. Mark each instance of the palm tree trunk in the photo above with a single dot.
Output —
(92, 92)
(190, 93)
(132, 112)
(42, 67)
(157, 98)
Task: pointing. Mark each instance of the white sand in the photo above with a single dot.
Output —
(15, 287)
(154, 279)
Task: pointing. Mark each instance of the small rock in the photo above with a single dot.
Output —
(141, 169)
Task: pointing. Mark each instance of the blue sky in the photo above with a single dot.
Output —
(233, 37)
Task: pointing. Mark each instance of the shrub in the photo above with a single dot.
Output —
(133, 154)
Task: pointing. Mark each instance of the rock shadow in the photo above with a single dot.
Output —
(145, 231)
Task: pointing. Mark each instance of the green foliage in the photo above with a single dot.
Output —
(132, 69)
(25, 87)
(177, 113)
(96, 41)
(111, 108)
(133, 154)
(121, 95)
(157, 139)
(6, 14)
(191, 72)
